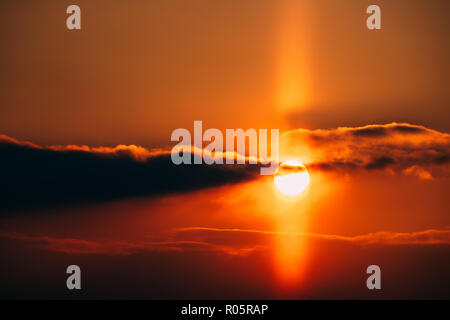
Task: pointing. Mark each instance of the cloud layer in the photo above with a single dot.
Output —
(35, 176)
(400, 147)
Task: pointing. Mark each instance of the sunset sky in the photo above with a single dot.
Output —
(86, 118)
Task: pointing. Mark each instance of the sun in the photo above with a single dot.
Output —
(291, 178)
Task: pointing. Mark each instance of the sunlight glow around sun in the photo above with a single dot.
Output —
(291, 178)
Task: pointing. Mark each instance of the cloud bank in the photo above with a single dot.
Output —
(399, 147)
(33, 175)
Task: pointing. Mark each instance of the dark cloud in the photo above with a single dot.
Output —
(43, 176)
(386, 130)
(379, 163)
(370, 132)
(407, 129)
(334, 165)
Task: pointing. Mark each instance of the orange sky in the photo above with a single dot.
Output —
(303, 248)
(136, 72)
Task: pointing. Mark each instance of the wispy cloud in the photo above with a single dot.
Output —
(237, 241)
(426, 237)
(113, 247)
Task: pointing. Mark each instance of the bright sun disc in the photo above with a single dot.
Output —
(291, 178)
